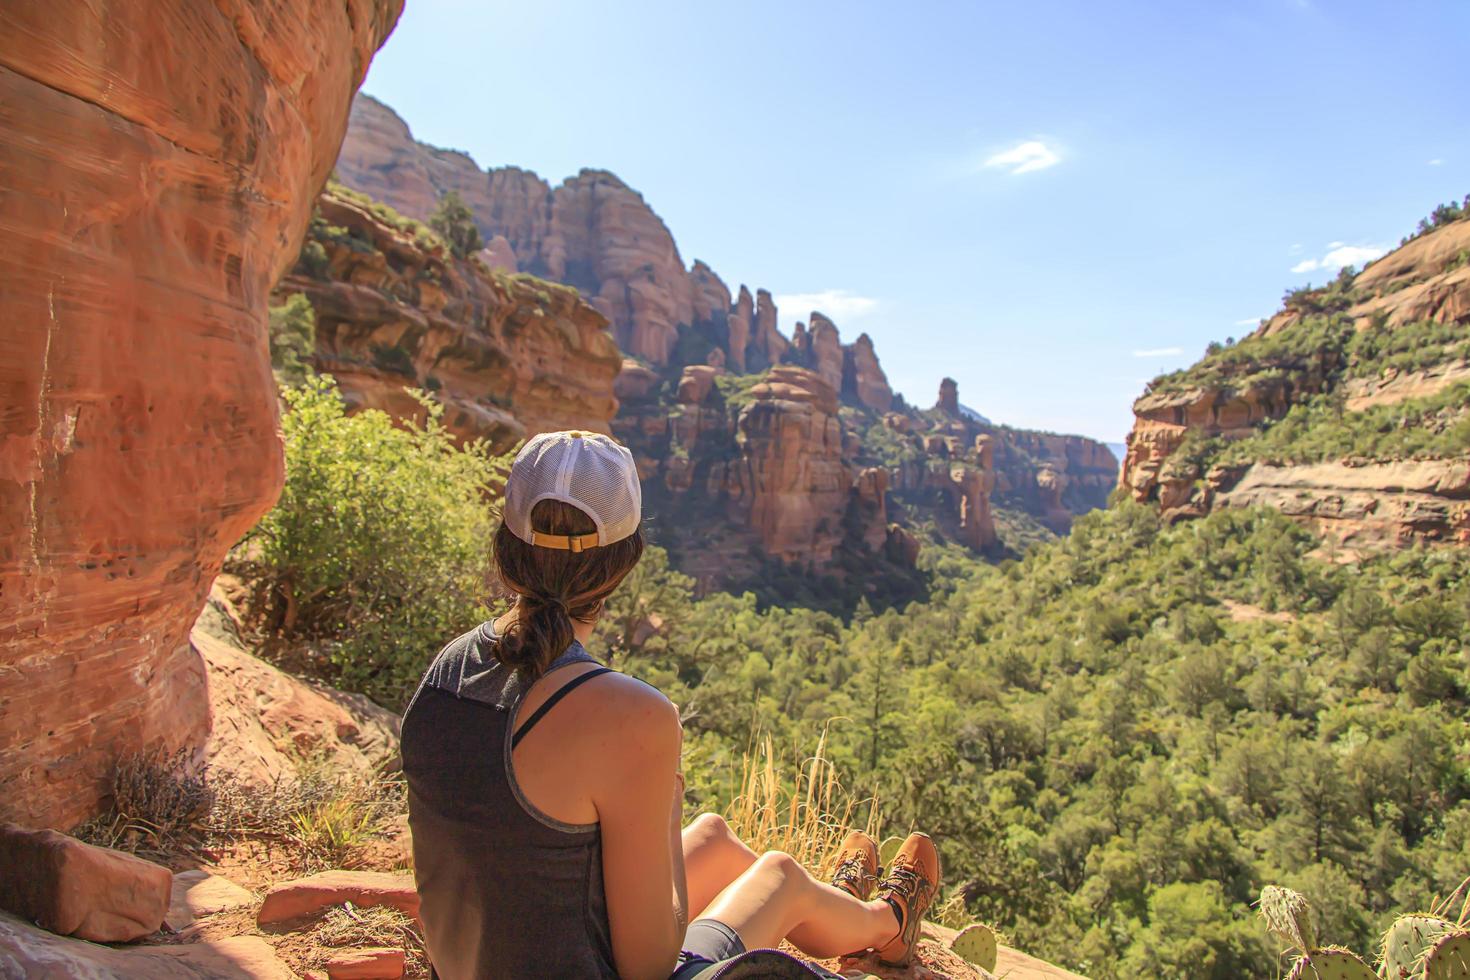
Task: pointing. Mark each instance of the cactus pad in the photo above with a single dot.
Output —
(976, 944)
(1449, 959)
(1331, 964)
(1288, 916)
(888, 849)
(1405, 943)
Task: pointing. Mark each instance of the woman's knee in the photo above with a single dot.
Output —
(779, 864)
(711, 825)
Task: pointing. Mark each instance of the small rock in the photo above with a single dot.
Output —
(76, 889)
(307, 896)
(199, 893)
(380, 963)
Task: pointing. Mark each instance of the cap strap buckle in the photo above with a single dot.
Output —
(575, 543)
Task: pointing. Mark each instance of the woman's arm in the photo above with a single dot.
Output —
(636, 808)
(676, 847)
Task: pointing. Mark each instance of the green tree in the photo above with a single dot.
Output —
(455, 223)
(292, 340)
(378, 551)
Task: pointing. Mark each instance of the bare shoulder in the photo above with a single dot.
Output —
(636, 720)
(629, 701)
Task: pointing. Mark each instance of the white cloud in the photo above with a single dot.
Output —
(1436, 162)
(1159, 352)
(839, 304)
(1340, 255)
(1023, 158)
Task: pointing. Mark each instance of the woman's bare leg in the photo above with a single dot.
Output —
(775, 898)
(713, 857)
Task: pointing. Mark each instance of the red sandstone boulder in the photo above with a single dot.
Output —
(377, 963)
(308, 896)
(75, 889)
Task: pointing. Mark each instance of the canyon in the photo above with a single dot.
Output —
(1388, 340)
(753, 446)
(139, 436)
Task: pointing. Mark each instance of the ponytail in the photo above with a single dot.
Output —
(554, 589)
(541, 631)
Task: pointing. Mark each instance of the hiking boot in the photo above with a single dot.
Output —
(857, 866)
(909, 886)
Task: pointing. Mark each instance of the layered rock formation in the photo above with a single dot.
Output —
(508, 356)
(761, 438)
(142, 234)
(1393, 340)
(592, 232)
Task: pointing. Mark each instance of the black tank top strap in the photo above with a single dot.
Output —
(550, 702)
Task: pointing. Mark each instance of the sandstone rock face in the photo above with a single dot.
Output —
(949, 397)
(741, 326)
(592, 232)
(767, 450)
(142, 233)
(1373, 502)
(75, 889)
(508, 356)
(1371, 505)
(791, 484)
(863, 376)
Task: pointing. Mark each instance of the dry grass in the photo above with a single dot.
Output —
(171, 809)
(807, 818)
(160, 805)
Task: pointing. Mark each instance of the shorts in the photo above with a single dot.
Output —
(706, 942)
(713, 951)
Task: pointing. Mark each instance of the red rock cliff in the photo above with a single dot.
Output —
(509, 356)
(159, 166)
(1393, 339)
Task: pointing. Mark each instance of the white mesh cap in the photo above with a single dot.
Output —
(585, 469)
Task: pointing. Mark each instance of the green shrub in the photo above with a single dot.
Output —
(379, 547)
(292, 339)
(453, 221)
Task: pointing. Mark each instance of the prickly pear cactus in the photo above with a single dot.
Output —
(888, 849)
(1288, 915)
(1330, 964)
(977, 945)
(1405, 942)
(1449, 959)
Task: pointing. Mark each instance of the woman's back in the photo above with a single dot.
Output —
(506, 889)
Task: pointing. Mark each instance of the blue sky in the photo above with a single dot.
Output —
(1050, 202)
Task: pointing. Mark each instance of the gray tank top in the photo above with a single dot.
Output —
(505, 890)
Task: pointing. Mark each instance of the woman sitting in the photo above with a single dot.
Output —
(545, 795)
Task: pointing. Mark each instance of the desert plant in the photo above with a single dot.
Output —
(378, 550)
(292, 339)
(453, 221)
(977, 945)
(807, 816)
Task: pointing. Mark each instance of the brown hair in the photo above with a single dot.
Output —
(554, 587)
